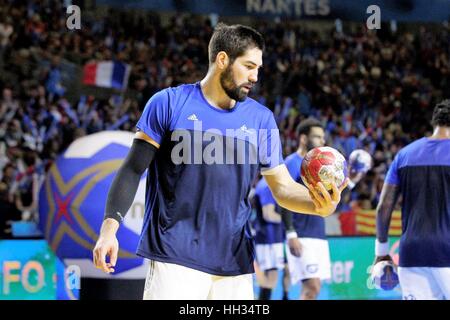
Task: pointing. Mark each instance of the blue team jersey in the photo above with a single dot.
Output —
(421, 171)
(306, 225)
(266, 232)
(197, 208)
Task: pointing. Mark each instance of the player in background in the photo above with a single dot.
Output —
(420, 173)
(196, 230)
(309, 254)
(269, 239)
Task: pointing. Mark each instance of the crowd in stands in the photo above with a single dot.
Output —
(371, 90)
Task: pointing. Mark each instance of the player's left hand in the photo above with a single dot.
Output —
(382, 258)
(295, 247)
(325, 202)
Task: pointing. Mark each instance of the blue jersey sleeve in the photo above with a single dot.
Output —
(265, 196)
(392, 174)
(269, 149)
(293, 167)
(155, 118)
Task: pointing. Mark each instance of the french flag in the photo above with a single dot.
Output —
(107, 74)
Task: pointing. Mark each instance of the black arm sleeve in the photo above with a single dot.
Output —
(124, 186)
(286, 217)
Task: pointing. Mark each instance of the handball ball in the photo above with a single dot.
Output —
(384, 275)
(360, 161)
(326, 165)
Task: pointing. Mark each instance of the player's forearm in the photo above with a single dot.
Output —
(383, 221)
(121, 193)
(384, 211)
(270, 215)
(295, 197)
(124, 186)
(286, 216)
(273, 218)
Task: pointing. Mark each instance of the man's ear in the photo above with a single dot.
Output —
(222, 60)
(302, 139)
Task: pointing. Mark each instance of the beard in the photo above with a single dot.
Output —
(230, 87)
(310, 145)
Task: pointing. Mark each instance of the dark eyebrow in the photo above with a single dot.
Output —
(251, 62)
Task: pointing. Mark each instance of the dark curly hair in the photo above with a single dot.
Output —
(305, 126)
(441, 114)
(234, 40)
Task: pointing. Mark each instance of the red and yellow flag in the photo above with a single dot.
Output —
(366, 223)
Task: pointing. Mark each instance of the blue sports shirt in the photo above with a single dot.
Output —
(421, 170)
(266, 232)
(197, 208)
(306, 225)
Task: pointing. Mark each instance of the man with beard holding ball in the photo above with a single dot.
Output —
(196, 230)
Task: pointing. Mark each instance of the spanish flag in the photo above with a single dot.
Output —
(366, 223)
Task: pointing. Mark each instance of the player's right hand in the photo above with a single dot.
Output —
(295, 247)
(106, 245)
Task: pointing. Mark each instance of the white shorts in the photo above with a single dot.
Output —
(168, 281)
(313, 263)
(424, 283)
(270, 256)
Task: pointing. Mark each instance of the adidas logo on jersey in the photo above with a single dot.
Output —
(193, 117)
(245, 129)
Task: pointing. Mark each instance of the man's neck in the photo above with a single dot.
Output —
(302, 152)
(213, 92)
(441, 133)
